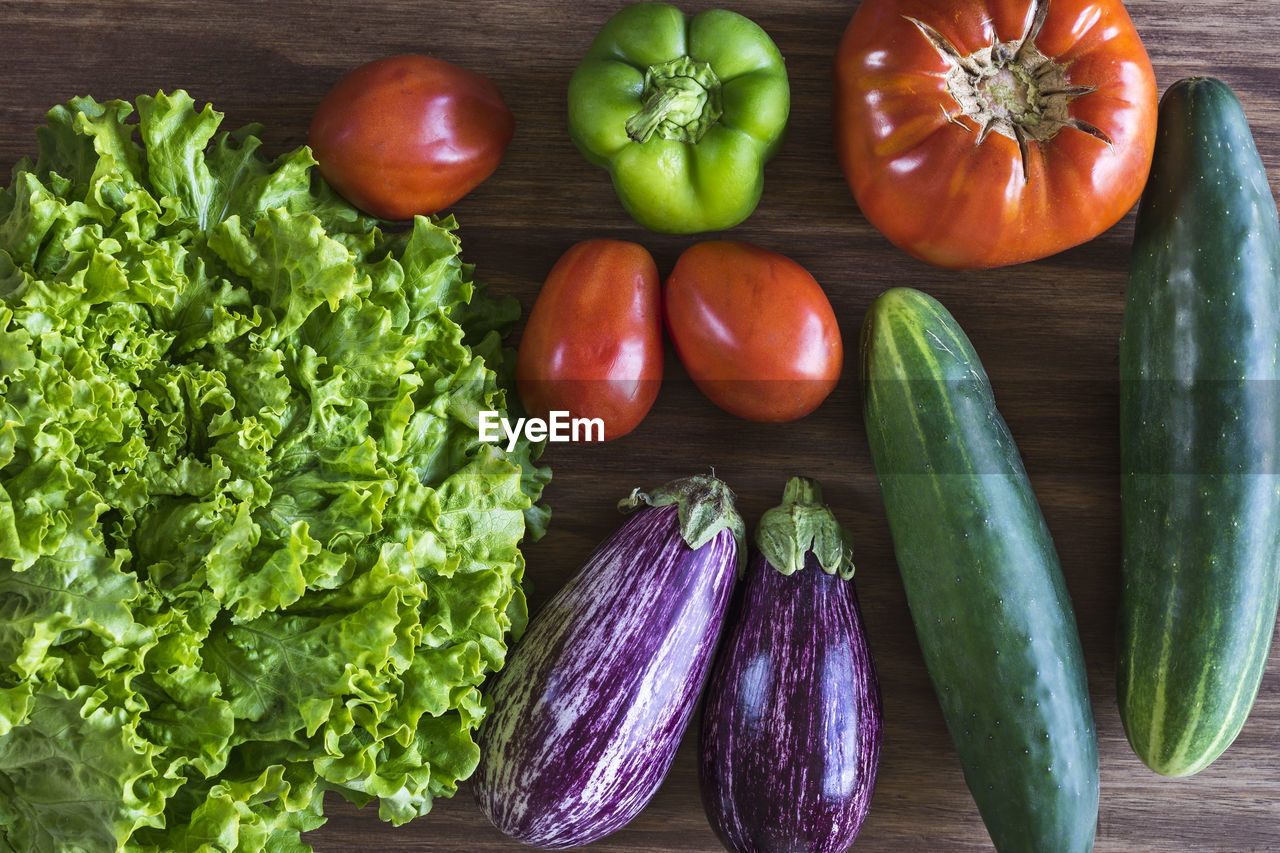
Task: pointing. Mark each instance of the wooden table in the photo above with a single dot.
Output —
(1047, 333)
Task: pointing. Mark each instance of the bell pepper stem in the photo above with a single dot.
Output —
(681, 101)
(642, 125)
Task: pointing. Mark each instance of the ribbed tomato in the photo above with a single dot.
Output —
(593, 343)
(980, 133)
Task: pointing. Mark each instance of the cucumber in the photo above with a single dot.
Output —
(1199, 434)
(982, 579)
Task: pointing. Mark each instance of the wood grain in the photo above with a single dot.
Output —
(1047, 333)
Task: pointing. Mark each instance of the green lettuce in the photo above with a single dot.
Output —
(251, 549)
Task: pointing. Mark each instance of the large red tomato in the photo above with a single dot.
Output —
(593, 344)
(979, 133)
(754, 330)
(409, 135)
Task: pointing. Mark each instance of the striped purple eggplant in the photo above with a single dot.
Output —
(792, 722)
(592, 703)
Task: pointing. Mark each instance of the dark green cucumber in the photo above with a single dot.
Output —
(1199, 436)
(982, 578)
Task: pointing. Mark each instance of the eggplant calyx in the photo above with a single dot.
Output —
(800, 524)
(705, 506)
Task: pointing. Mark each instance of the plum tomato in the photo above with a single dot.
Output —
(409, 135)
(593, 344)
(753, 329)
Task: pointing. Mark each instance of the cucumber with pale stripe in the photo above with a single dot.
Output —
(982, 578)
(1199, 436)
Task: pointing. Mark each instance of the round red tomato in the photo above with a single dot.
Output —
(409, 135)
(754, 330)
(979, 133)
(593, 344)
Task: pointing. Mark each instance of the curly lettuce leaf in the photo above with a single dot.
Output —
(77, 775)
(251, 549)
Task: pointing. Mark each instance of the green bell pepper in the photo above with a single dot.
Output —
(683, 111)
